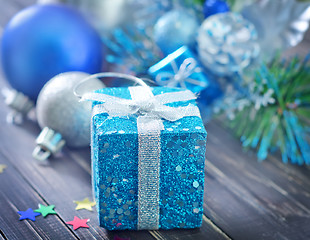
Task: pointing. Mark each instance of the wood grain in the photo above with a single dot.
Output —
(253, 200)
(16, 195)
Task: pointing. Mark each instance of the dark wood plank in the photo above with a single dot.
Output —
(208, 230)
(17, 195)
(252, 200)
(60, 183)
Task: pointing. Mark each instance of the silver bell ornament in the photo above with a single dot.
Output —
(61, 116)
(227, 43)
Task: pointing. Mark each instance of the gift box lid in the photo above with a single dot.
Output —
(106, 124)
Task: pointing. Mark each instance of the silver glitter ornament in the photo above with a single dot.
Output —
(227, 43)
(280, 24)
(60, 110)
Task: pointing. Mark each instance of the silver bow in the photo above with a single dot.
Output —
(153, 106)
(181, 75)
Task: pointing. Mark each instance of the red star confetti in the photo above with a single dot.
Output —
(77, 223)
(2, 167)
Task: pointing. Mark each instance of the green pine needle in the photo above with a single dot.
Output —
(277, 113)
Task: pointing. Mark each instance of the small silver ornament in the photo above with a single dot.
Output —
(227, 43)
(19, 105)
(60, 110)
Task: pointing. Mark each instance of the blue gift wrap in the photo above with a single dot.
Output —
(180, 69)
(138, 194)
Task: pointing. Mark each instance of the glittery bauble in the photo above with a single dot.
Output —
(212, 7)
(59, 109)
(44, 40)
(227, 43)
(175, 29)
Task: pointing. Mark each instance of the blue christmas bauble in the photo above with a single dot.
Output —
(212, 7)
(42, 41)
(175, 29)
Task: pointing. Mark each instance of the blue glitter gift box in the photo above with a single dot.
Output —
(180, 69)
(148, 172)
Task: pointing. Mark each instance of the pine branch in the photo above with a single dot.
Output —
(277, 113)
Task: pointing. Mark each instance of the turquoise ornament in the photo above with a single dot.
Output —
(44, 40)
(175, 29)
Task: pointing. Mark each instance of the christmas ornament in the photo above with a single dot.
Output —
(282, 26)
(85, 204)
(45, 210)
(59, 110)
(175, 29)
(44, 40)
(212, 7)
(273, 113)
(77, 223)
(19, 105)
(227, 43)
(28, 214)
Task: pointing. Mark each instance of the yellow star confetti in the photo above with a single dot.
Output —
(85, 204)
(2, 167)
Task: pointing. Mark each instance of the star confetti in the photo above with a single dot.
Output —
(77, 223)
(28, 214)
(2, 167)
(45, 210)
(85, 204)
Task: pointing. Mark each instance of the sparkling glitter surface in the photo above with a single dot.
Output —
(115, 168)
(59, 109)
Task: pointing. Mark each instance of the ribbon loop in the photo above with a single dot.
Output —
(180, 76)
(150, 106)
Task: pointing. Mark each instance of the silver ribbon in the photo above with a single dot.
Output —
(150, 110)
(180, 76)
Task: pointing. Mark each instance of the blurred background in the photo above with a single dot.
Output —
(245, 60)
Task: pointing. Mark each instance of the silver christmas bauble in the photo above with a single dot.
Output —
(60, 110)
(280, 24)
(227, 43)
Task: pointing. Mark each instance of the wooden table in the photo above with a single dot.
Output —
(244, 199)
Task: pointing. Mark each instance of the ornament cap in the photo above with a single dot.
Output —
(19, 103)
(48, 142)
